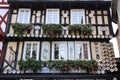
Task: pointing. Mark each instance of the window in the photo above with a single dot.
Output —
(70, 50)
(23, 16)
(31, 50)
(52, 16)
(82, 50)
(59, 51)
(45, 51)
(77, 16)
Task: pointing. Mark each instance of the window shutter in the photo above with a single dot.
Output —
(52, 16)
(24, 16)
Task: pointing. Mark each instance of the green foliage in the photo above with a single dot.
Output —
(52, 29)
(83, 29)
(86, 29)
(89, 65)
(20, 29)
(30, 64)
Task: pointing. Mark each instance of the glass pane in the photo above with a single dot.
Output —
(52, 16)
(34, 51)
(28, 51)
(71, 50)
(85, 51)
(62, 51)
(45, 54)
(77, 16)
(79, 51)
(56, 51)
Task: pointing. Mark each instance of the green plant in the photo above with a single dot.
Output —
(20, 28)
(30, 64)
(23, 65)
(83, 29)
(89, 65)
(86, 29)
(52, 29)
(74, 28)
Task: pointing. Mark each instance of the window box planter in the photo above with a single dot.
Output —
(82, 29)
(20, 29)
(30, 65)
(88, 66)
(52, 30)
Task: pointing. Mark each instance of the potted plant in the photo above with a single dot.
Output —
(74, 28)
(83, 29)
(86, 29)
(20, 28)
(52, 29)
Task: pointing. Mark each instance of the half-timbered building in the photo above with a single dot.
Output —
(59, 30)
(3, 23)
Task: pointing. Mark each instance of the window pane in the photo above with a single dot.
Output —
(31, 50)
(34, 51)
(56, 51)
(71, 50)
(85, 50)
(24, 16)
(79, 51)
(45, 54)
(52, 16)
(77, 16)
(62, 51)
(28, 51)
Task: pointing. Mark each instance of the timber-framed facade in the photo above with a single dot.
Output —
(66, 45)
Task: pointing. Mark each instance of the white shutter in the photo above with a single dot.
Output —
(52, 16)
(71, 50)
(45, 51)
(24, 16)
(77, 16)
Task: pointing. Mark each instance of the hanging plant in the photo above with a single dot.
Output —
(52, 29)
(20, 28)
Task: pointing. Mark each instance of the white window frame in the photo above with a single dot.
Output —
(88, 47)
(53, 15)
(71, 18)
(25, 46)
(65, 53)
(24, 16)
